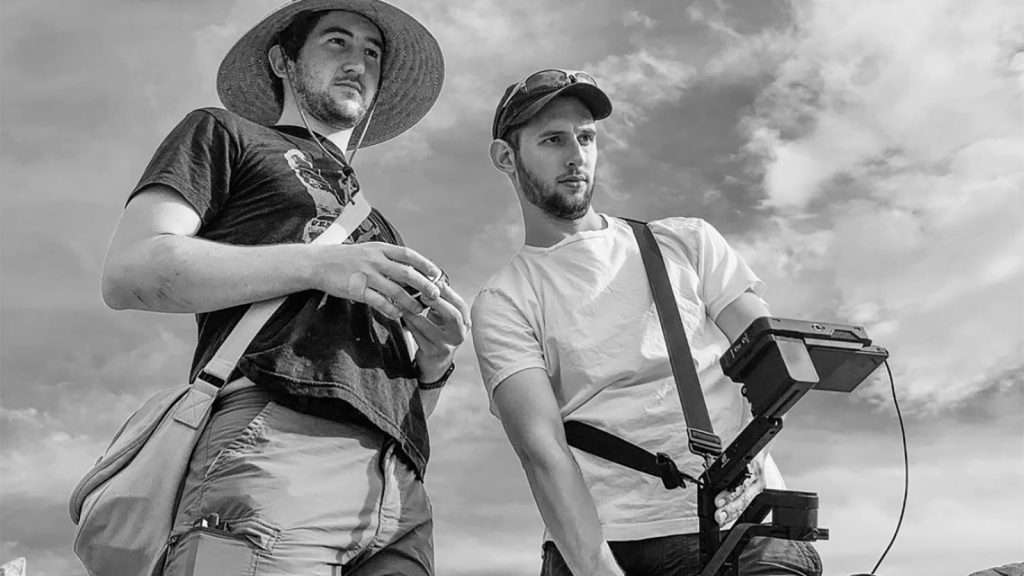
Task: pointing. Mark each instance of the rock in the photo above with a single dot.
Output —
(1007, 570)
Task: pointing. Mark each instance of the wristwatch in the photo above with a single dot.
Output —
(440, 382)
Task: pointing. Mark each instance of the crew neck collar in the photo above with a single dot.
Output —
(573, 238)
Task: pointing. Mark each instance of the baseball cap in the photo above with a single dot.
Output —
(526, 98)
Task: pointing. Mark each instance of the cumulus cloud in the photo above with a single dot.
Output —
(880, 89)
(639, 81)
(45, 444)
(890, 142)
(72, 421)
(637, 18)
(212, 42)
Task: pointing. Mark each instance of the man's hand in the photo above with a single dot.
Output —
(729, 505)
(376, 274)
(439, 331)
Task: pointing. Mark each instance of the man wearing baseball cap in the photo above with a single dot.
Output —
(568, 331)
(314, 457)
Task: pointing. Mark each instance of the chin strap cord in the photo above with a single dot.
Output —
(346, 164)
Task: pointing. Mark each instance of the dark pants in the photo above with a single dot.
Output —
(678, 556)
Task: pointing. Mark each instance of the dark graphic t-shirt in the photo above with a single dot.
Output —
(257, 185)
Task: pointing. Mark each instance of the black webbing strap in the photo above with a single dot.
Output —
(610, 447)
(701, 435)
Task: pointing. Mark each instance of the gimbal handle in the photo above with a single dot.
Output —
(797, 376)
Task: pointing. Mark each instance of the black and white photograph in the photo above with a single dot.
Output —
(485, 288)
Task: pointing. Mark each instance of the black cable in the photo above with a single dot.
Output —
(906, 470)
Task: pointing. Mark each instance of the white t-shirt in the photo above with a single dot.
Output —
(583, 311)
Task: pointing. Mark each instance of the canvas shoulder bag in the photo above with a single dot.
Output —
(124, 507)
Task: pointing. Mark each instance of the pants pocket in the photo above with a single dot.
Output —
(235, 432)
(304, 491)
(209, 552)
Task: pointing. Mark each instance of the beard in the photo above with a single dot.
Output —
(341, 114)
(548, 198)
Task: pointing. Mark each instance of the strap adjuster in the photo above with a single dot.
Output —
(670, 474)
(211, 379)
(703, 443)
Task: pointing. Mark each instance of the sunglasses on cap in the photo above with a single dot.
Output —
(545, 81)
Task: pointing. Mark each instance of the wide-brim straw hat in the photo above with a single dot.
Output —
(411, 75)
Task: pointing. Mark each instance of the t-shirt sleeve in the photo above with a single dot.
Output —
(723, 273)
(196, 160)
(504, 340)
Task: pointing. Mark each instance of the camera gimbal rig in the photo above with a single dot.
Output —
(777, 361)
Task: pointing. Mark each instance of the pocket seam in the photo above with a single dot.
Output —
(274, 530)
(242, 441)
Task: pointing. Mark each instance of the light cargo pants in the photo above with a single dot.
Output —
(300, 495)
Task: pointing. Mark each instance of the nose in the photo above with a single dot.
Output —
(575, 159)
(355, 64)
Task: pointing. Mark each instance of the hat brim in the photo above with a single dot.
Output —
(592, 97)
(411, 76)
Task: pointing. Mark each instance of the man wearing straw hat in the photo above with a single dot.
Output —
(314, 457)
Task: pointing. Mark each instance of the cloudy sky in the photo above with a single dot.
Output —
(865, 157)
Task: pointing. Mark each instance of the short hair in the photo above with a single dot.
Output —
(513, 136)
(291, 40)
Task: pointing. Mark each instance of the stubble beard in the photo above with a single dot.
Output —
(340, 114)
(547, 197)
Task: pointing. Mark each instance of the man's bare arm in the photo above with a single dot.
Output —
(156, 263)
(733, 320)
(532, 422)
(738, 315)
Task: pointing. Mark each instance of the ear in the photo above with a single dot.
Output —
(503, 157)
(278, 61)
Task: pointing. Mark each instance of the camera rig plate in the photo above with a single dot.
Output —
(777, 360)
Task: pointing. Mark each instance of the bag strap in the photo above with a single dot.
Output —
(701, 435)
(585, 437)
(219, 368)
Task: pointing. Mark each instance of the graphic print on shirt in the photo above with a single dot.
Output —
(329, 196)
